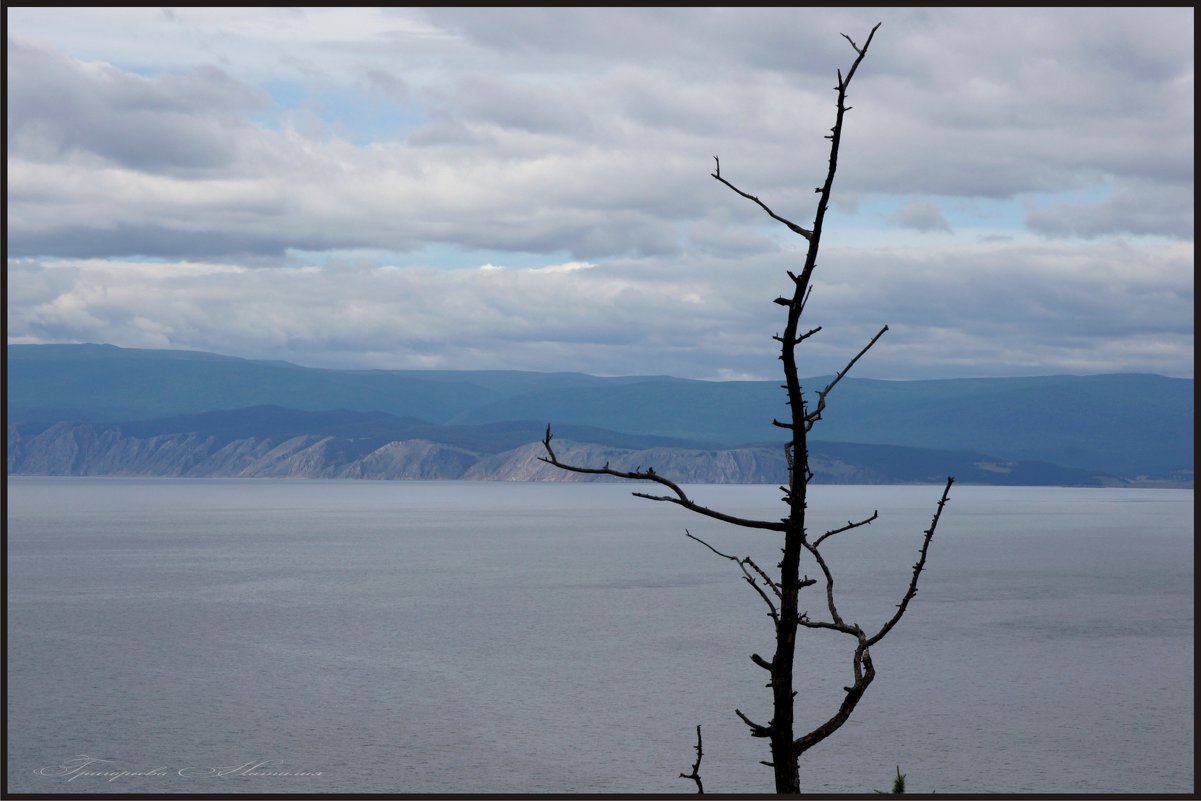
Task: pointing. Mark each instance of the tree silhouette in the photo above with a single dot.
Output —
(781, 593)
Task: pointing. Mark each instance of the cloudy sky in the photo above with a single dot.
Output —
(530, 188)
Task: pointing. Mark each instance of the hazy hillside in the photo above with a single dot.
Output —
(281, 443)
(1121, 425)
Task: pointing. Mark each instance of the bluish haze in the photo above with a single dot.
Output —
(176, 413)
(529, 188)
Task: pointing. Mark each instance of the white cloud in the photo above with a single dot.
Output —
(987, 309)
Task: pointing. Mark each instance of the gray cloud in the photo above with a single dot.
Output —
(1154, 210)
(386, 83)
(589, 135)
(58, 106)
(921, 215)
(528, 134)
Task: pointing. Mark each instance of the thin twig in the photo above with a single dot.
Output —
(743, 564)
(917, 568)
(816, 414)
(847, 527)
(796, 229)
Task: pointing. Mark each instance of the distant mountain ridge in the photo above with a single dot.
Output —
(371, 446)
(1079, 429)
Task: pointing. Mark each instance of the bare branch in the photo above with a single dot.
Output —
(744, 564)
(862, 51)
(696, 766)
(864, 673)
(774, 587)
(796, 229)
(837, 618)
(816, 414)
(917, 568)
(835, 138)
(650, 475)
(756, 729)
(804, 300)
(807, 334)
(822, 624)
(681, 500)
(847, 527)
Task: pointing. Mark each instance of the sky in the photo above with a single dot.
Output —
(530, 188)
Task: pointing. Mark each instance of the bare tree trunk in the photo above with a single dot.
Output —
(782, 595)
(783, 743)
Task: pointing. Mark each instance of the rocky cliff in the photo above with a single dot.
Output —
(79, 449)
(73, 449)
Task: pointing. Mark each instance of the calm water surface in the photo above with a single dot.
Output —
(545, 638)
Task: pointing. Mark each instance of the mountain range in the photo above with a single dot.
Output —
(104, 410)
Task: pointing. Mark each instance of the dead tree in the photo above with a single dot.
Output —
(781, 593)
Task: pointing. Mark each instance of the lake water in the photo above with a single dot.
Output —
(421, 637)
